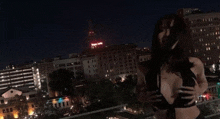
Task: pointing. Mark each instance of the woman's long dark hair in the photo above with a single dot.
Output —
(177, 58)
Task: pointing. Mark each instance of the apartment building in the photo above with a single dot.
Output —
(73, 63)
(115, 61)
(45, 67)
(8, 102)
(90, 66)
(22, 78)
(205, 34)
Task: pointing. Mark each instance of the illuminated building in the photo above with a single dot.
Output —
(143, 54)
(205, 34)
(22, 78)
(73, 63)
(8, 102)
(115, 61)
(90, 66)
(60, 102)
(45, 67)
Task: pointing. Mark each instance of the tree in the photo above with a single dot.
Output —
(20, 104)
(102, 94)
(39, 102)
(127, 89)
(62, 80)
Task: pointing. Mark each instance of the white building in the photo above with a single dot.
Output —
(72, 63)
(23, 78)
(90, 66)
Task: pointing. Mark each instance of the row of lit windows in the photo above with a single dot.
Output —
(71, 64)
(29, 73)
(217, 37)
(205, 29)
(59, 104)
(4, 76)
(31, 86)
(209, 58)
(3, 80)
(4, 84)
(21, 82)
(28, 76)
(3, 88)
(15, 71)
(17, 82)
(205, 19)
(28, 80)
(27, 69)
(16, 78)
(208, 48)
(16, 75)
(18, 85)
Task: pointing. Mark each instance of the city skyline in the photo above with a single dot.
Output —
(37, 30)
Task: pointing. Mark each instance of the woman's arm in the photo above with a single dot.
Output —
(200, 74)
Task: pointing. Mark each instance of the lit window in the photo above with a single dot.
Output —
(200, 39)
(208, 48)
(196, 50)
(200, 30)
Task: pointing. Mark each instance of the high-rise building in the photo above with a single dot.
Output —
(115, 61)
(143, 54)
(45, 67)
(73, 63)
(205, 34)
(90, 66)
(20, 78)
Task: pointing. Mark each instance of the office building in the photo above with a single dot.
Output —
(115, 61)
(205, 34)
(21, 78)
(90, 66)
(73, 63)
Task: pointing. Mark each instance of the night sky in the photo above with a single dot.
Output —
(37, 30)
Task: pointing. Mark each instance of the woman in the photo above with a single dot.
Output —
(172, 80)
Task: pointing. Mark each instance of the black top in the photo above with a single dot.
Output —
(188, 78)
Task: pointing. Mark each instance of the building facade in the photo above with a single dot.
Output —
(23, 78)
(205, 34)
(143, 54)
(8, 102)
(73, 64)
(116, 61)
(45, 68)
(90, 66)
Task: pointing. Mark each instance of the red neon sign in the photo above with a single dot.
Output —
(94, 45)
